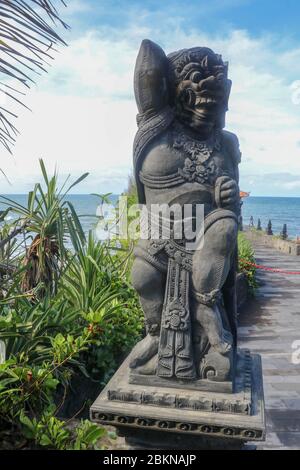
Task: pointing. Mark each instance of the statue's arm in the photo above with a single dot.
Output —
(227, 188)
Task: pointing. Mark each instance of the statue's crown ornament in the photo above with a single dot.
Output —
(181, 62)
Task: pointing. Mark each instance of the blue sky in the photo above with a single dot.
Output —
(256, 16)
(84, 112)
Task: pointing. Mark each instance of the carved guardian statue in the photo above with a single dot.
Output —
(185, 385)
(182, 155)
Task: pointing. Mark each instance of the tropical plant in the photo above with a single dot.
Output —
(26, 401)
(47, 342)
(95, 284)
(246, 261)
(88, 280)
(8, 242)
(85, 325)
(29, 377)
(53, 433)
(27, 42)
(47, 220)
(28, 328)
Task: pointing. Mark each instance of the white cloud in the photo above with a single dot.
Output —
(292, 185)
(84, 112)
(76, 135)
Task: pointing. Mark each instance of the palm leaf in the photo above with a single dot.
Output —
(27, 40)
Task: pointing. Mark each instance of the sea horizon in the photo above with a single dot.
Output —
(279, 209)
(115, 194)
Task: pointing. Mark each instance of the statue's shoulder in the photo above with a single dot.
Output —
(160, 158)
(232, 145)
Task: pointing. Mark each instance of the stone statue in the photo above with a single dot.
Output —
(186, 385)
(182, 155)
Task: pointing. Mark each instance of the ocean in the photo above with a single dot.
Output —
(85, 205)
(279, 210)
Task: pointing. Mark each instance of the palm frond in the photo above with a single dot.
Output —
(27, 43)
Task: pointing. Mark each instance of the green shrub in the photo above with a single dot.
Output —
(96, 285)
(47, 220)
(246, 261)
(53, 433)
(81, 319)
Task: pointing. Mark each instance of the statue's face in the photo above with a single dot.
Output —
(201, 95)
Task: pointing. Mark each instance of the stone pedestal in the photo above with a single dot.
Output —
(164, 417)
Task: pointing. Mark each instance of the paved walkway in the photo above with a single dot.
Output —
(270, 325)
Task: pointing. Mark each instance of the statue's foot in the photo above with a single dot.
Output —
(210, 319)
(144, 351)
(149, 368)
(224, 344)
(216, 367)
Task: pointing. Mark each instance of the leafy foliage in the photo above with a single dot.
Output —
(53, 433)
(82, 319)
(27, 42)
(47, 220)
(246, 256)
(96, 285)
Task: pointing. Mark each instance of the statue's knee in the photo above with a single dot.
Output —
(230, 236)
(231, 228)
(221, 237)
(145, 278)
(212, 262)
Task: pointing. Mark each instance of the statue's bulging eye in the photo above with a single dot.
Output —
(189, 97)
(196, 76)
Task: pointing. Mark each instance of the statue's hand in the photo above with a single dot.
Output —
(227, 192)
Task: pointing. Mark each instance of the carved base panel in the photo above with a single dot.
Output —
(203, 385)
(186, 416)
(160, 440)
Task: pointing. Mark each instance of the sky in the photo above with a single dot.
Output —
(83, 115)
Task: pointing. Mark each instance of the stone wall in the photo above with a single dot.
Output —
(286, 246)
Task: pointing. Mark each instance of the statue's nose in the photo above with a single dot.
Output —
(212, 83)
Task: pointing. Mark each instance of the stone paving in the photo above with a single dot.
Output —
(270, 325)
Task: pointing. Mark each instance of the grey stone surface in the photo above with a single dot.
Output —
(186, 377)
(269, 325)
(242, 290)
(183, 156)
(264, 324)
(185, 416)
(290, 247)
